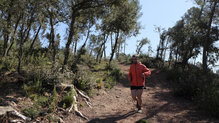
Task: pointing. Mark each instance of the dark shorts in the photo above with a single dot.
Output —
(136, 87)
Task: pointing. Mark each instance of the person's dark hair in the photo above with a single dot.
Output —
(135, 56)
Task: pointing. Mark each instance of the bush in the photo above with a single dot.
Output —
(125, 59)
(32, 87)
(112, 75)
(83, 79)
(42, 101)
(68, 99)
(9, 63)
(31, 112)
(151, 62)
(208, 98)
(116, 74)
(202, 88)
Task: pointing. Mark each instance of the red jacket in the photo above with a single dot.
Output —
(135, 74)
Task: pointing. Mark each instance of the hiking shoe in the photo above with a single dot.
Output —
(139, 107)
(139, 111)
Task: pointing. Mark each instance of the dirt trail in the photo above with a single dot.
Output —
(159, 104)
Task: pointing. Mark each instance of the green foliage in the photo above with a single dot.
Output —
(109, 82)
(52, 119)
(8, 63)
(151, 62)
(42, 101)
(116, 74)
(32, 112)
(68, 99)
(53, 100)
(193, 84)
(124, 59)
(32, 87)
(99, 82)
(208, 99)
(84, 80)
(37, 58)
(112, 75)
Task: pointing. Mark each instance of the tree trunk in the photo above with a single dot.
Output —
(6, 33)
(85, 42)
(111, 35)
(115, 46)
(206, 43)
(37, 33)
(69, 41)
(20, 49)
(124, 47)
(52, 39)
(13, 36)
(99, 53)
(104, 51)
(75, 49)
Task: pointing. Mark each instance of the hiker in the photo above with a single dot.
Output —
(137, 74)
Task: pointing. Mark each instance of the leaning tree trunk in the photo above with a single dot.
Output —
(115, 46)
(13, 36)
(34, 40)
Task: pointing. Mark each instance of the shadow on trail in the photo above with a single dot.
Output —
(154, 112)
(112, 118)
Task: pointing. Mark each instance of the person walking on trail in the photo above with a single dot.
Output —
(137, 74)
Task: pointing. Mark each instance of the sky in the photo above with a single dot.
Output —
(157, 13)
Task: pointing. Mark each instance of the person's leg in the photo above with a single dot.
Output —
(133, 93)
(138, 94)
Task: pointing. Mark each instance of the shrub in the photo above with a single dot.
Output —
(125, 59)
(83, 79)
(68, 99)
(32, 87)
(31, 112)
(53, 119)
(116, 74)
(99, 83)
(42, 101)
(9, 63)
(202, 88)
